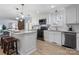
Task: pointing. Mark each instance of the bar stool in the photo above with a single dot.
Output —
(10, 45)
(2, 38)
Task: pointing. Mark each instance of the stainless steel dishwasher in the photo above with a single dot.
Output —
(70, 40)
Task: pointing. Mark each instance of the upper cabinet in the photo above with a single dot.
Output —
(77, 13)
(72, 14)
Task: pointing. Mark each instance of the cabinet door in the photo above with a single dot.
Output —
(77, 13)
(46, 37)
(71, 14)
(51, 36)
(77, 48)
(57, 38)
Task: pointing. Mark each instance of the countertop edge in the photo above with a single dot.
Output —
(25, 32)
(62, 31)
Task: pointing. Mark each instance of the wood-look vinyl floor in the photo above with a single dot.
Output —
(45, 48)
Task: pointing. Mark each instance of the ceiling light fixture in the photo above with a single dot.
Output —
(17, 17)
(21, 14)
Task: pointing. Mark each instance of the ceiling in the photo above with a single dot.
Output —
(8, 11)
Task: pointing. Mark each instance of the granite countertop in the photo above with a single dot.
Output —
(24, 32)
(61, 31)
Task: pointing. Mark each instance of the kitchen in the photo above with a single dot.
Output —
(53, 23)
(69, 36)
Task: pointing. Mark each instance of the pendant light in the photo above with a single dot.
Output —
(22, 12)
(17, 17)
(20, 16)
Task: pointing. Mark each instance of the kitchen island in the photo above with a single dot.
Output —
(26, 41)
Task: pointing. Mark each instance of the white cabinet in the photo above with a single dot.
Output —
(71, 14)
(77, 45)
(77, 13)
(77, 42)
(52, 36)
(62, 38)
(26, 42)
(49, 36)
(57, 37)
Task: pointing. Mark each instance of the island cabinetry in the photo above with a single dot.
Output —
(26, 42)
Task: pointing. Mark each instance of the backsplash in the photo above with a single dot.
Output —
(75, 28)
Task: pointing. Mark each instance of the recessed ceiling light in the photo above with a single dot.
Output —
(52, 6)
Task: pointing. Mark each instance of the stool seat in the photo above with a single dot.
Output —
(10, 40)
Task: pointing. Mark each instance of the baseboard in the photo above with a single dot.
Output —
(31, 51)
(28, 53)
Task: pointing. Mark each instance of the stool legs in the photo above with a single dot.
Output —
(16, 47)
(4, 47)
(12, 45)
(1, 43)
(8, 47)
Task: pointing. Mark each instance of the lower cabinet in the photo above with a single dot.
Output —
(58, 37)
(52, 36)
(77, 42)
(77, 47)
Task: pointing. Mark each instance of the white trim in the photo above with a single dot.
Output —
(28, 53)
(31, 51)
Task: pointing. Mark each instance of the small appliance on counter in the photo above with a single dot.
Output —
(70, 28)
